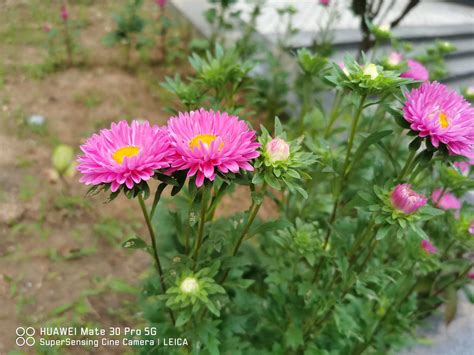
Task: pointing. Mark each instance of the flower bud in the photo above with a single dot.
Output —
(371, 70)
(447, 46)
(161, 3)
(64, 13)
(189, 285)
(470, 91)
(406, 200)
(428, 247)
(394, 58)
(277, 150)
(63, 156)
(46, 28)
(384, 29)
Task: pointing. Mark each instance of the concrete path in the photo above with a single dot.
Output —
(455, 339)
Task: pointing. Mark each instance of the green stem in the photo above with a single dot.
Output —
(67, 42)
(360, 239)
(458, 277)
(215, 201)
(350, 143)
(395, 304)
(304, 109)
(407, 166)
(253, 210)
(334, 111)
(443, 257)
(202, 221)
(155, 249)
(352, 263)
(344, 172)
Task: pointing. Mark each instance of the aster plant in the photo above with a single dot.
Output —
(345, 231)
(128, 32)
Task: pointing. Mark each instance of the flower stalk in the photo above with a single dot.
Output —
(342, 179)
(154, 250)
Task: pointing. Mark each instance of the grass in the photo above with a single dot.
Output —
(28, 188)
(113, 230)
(25, 58)
(90, 99)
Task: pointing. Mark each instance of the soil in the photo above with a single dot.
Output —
(51, 252)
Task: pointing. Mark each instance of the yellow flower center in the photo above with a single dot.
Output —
(206, 140)
(127, 151)
(443, 120)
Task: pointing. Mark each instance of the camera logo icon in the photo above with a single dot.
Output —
(25, 336)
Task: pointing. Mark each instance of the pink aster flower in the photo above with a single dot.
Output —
(428, 247)
(416, 71)
(324, 2)
(124, 154)
(161, 3)
(46, 28)
(471, 275)
(64, 12)
(406, 200)
(440, 113)
(465, 165)
(207, 141)
(445, 200)
(394, 58)
(471, 228)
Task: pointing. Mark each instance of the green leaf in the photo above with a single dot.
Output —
(278, 127)
(122, 287)
(271, 180)
(367, 142)
(167, 179)
(271, 226)
(257, 178)
(156, 199)
(294, 336)
(135, 243)
(383, 232)
(451, 305)
(183, 318)
(398, 116)
(420, 232)
(181, 179)
(213, 308)
(415, 144)
(429, 212)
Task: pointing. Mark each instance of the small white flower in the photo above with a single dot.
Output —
(371, 70)
(384, 28)
(189, 285)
